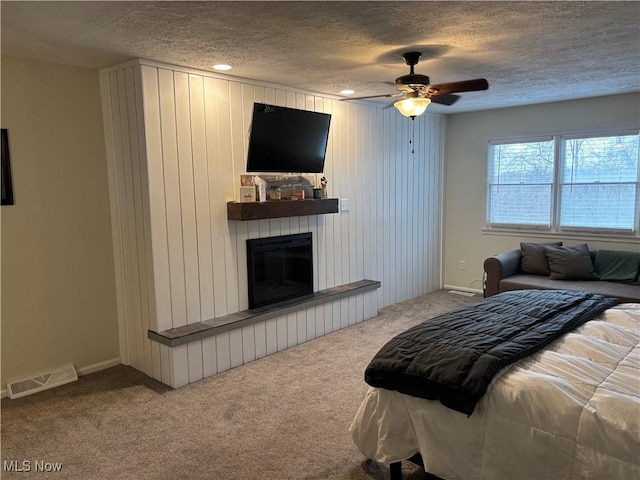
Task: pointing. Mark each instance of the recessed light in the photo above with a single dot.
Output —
(347, 92)
(222, 67)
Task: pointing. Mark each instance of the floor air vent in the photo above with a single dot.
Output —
(41, 381)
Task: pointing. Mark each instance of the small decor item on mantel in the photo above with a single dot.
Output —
(246, 180)
(323, 185)
(298, 192)
(275, 193)
(248, 194)
(261, 188)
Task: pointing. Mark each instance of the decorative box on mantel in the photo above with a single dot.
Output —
(287, 185)
(280, 208)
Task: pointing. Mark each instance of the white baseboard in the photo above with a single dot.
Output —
(464, 289)
(96, 367)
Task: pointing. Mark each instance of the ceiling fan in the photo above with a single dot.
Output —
(416, 93)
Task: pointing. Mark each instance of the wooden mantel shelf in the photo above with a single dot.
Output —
(280, 208)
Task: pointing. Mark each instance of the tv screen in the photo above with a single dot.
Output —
(287, 140)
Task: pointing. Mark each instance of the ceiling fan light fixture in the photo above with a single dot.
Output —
(412, 106)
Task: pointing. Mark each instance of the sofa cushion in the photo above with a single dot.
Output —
(570, 263)
(622, 291)
(617, 265)
(534, 257)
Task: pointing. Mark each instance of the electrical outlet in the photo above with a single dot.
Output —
(463, 265)
(344, 205)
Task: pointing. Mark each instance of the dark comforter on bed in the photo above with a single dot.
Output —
(453, 357)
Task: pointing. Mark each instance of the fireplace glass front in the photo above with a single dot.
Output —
(279, 268)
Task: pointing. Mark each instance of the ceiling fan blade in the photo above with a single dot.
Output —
(454, 87)
(373, 96)
(447, 99)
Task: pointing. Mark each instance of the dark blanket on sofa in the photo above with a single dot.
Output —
(453, 357)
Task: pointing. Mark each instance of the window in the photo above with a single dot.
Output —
(564, 183)
(599, 182)
(521, 184)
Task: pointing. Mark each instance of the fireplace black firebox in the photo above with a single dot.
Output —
(279, 268)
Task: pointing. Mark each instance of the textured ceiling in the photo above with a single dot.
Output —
(530, 52)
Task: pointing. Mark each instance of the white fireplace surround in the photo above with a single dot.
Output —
(176, 146)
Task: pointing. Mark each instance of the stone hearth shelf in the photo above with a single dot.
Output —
(175, 337)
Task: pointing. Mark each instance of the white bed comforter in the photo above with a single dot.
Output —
(571, 410)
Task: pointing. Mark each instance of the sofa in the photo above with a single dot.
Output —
(552, 266)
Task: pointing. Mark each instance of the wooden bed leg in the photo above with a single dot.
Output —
(395, 469)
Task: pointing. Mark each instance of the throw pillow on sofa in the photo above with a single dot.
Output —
(570, 263)
(534, 257)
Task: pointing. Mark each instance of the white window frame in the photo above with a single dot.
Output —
(490, 168)
(556, 190)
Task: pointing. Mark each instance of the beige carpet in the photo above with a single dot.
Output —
(285, 416)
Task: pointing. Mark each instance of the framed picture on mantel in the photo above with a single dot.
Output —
(7, 186)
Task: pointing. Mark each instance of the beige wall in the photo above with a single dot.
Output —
(58, 287)
(466, 163)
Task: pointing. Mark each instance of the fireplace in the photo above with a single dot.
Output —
(279, 268)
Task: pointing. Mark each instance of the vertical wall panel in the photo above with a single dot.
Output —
(156, 192)
(138, 174)
(396, 195)
(209, 357)
(166, 372)
(388, 283)
(116, 231)
(127, 198)
(179, 140)
(202, 197)
(223, 352)
(228, 188)
(179, 366)
(114, 131)
(272, 336)
(241, 97)
(214, 104)
(184, 137)
(151, 350)
(260, 332)
(136, 214)
(377, 230)
(172, 197)
(281, 333)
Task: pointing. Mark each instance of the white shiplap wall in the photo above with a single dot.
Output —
(177, 142)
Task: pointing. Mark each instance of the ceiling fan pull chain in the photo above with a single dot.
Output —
(413, 131)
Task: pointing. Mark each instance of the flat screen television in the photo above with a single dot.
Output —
(287, 140)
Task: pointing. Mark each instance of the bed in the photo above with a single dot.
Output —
(570, 410)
